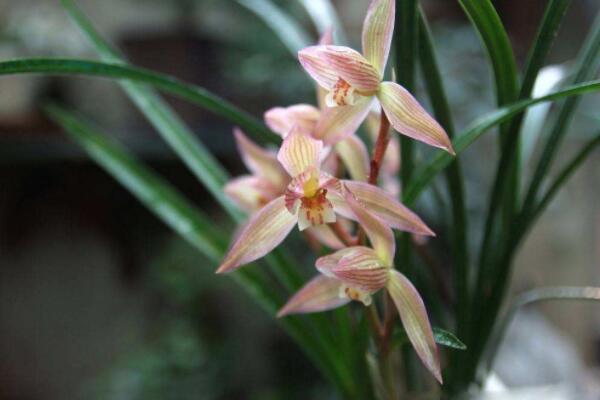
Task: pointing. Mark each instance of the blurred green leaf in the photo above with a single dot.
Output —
(585, 68)
(172, 129)
(587, 293)
(562, 178)
(454, 175)
(287, 29)
(166, 83)
(325, 17)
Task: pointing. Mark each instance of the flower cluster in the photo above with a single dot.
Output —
(303, 182)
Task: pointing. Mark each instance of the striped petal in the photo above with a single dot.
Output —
(326, 263)
(378, 30)
(380, 235)
(327, 64)
(414, 318)
(282, 119)
(299, 152)
(320, 294)
(409, 118)
(250, 192)
(260, 161)
(383, 205)
(362, 268)
(353, 153)
(336, 123)
(265, 230)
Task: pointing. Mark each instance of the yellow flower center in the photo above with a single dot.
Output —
(311, 186)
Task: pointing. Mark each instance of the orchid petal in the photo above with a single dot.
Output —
(319, 294)
(250, 192)
(383, 205)
(336, 123)
(326, 236)
(380, 235)
(265, 230)
(377, 32)
(327, 64)
(409, 118)
(282, 119)
(362, 268)
(326, 263)
(353, 153)
(414, 318)
(299, 152)
(260, 161)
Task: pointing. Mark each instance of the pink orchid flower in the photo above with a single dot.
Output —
(312, 198)
(267, 181)
(324, 124)
(356, 273)
(353, 80)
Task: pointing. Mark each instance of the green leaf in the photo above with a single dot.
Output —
(479, 127)
(586, 293)
(586, 66)
(291, 34)
(561, 179)
(174, 131)
(505, 187)
(197, 158)
(488, 25)
(165, 83)
(454, 175)
(442, 337)
(325, 17)
(157, 195)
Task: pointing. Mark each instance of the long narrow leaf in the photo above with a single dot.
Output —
(562, 178)
(454, 175)
(478, 128)
(504, 187)
(165, 83)
(586, 66)
(291, 34)
(325, 17)
(535, 296)
(198, 159)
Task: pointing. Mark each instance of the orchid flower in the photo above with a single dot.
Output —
(323, 124)
(312, 198)
(356, 273)
(268, 181)
(353, 80)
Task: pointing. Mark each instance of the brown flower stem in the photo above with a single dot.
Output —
(312, 241)
(374, 321)
(381, 145)
(342, 234)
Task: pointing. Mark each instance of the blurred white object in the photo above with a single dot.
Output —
(548, 79)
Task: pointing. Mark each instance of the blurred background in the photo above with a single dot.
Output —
(99, 300)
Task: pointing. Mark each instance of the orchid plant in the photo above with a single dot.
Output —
(310, 167)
